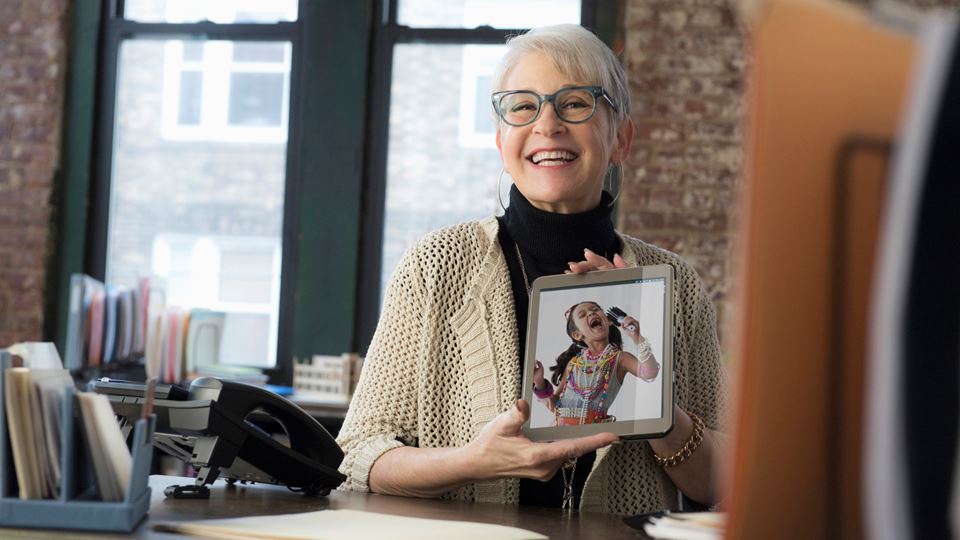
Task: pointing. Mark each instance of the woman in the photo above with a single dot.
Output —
(436, 411)
(588, 375)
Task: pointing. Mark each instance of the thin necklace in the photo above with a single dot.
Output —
(523, 269)
(569, 467)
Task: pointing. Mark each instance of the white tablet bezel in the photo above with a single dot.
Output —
(652, 427)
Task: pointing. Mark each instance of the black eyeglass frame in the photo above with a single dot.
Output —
(597, 92)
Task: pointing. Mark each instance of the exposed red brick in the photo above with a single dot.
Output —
(32, 54)
(658, 131)
(662, 175)
(666, 198)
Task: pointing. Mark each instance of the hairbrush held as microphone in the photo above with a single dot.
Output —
(617, 315)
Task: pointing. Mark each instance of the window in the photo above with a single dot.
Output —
(226, 184)
(433, 116)
(194, 166)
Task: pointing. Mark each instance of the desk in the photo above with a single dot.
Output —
(260, 499)
(333, 407)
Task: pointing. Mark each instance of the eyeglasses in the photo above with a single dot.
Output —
(573, 105)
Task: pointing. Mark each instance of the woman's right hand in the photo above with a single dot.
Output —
(501, 450)
(538, 382)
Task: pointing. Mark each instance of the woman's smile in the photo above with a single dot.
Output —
(559, 157)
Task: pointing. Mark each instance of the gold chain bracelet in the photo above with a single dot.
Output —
(681, 455)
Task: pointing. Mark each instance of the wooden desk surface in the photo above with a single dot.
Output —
(264, 499)
(261, 499)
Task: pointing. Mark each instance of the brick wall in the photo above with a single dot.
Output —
(32, 36)
(686, 66)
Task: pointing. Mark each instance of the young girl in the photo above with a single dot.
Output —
(589, 373)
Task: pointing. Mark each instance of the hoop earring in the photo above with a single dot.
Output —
(619, 167)
(499, 197)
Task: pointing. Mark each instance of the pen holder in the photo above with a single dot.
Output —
(76, 507)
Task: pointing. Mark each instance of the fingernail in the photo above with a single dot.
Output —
(587, 250)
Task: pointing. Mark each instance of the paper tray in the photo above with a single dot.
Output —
(77, 506)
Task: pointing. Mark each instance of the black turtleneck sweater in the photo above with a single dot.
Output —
(547, 242)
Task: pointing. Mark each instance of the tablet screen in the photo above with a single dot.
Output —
(603, 343)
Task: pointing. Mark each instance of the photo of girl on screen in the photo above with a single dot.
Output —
(587, 376)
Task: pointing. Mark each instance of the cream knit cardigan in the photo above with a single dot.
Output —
(444, 362)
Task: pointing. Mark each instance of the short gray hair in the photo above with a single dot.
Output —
(577, 53)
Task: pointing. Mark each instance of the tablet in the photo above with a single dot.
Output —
(600, 350)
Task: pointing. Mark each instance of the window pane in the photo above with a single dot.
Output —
(258, 52)
(193, 51)
(191, 92)
(205, 216)
(441, 168)
(495, 13)
(219, 11)
(256, 99)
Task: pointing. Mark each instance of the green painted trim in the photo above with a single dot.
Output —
(610, 21)
(610, 17)
(336, 42)
(71, 188)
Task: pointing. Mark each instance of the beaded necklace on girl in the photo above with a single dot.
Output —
(588, 376)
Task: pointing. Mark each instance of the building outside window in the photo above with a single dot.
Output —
(442, 164)
(198, 164)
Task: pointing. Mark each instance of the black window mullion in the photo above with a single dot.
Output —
(388, 16)
(99, 217)
(453, 36)
(588, 14)
(282, 373)
(375, 184)
(208, 30)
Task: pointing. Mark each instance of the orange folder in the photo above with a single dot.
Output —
(826, 85)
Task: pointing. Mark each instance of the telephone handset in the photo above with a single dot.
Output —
(210, 427)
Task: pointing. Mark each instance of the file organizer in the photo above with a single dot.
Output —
(77, 506)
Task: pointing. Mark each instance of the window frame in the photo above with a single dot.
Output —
(388, 33)
(117, 30)
(325, 153)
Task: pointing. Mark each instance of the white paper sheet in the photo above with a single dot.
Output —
(345, 525)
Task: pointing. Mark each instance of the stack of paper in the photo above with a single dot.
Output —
(687, 526)
(111, 458)
(33, 400)
(345, 525)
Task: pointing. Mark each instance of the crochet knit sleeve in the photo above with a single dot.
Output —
(382, 414)
(707, 381)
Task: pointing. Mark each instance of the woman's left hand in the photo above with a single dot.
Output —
(592, 262)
